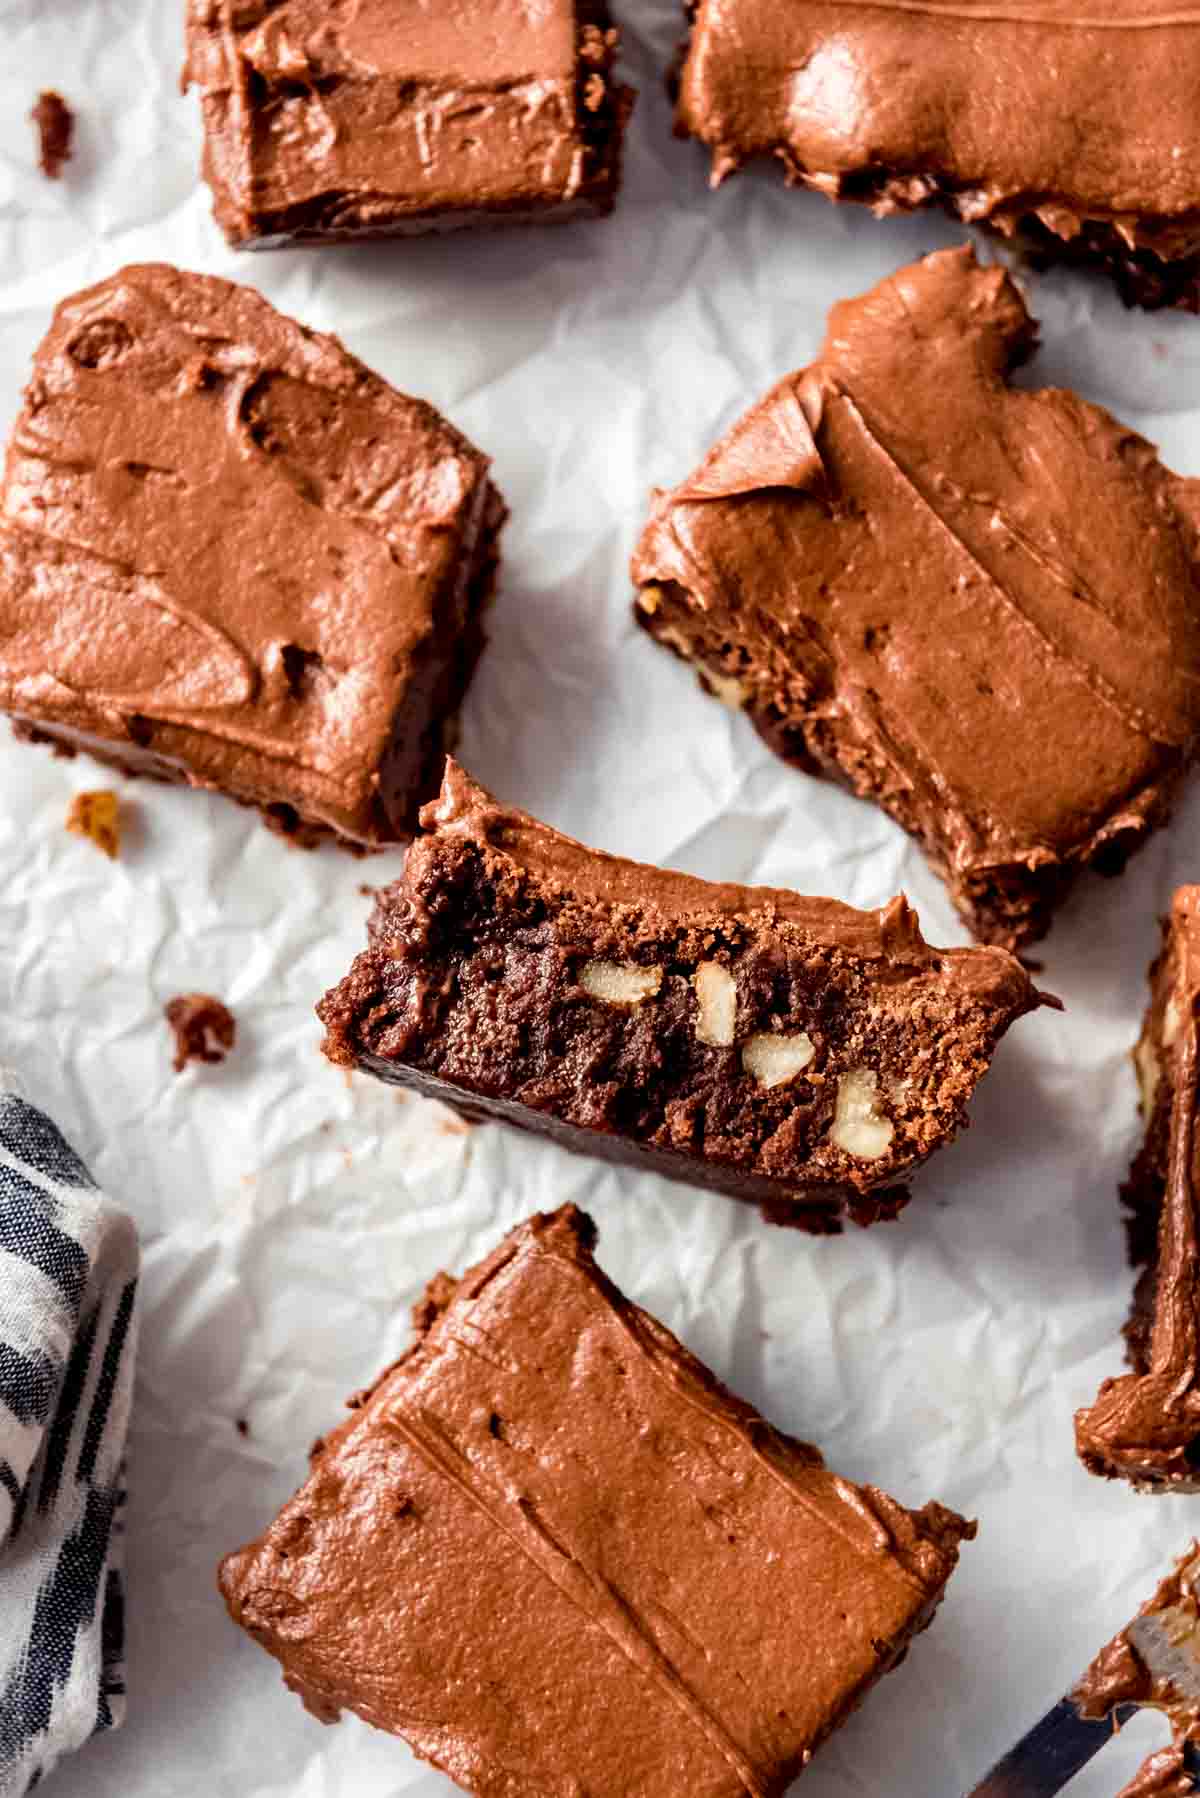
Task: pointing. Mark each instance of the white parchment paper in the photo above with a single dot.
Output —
(290, 1217)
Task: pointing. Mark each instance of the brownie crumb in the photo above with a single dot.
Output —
(56, 128)
(97, 816)
(205, 1030)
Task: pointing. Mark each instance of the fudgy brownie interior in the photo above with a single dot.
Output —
(799, 1060)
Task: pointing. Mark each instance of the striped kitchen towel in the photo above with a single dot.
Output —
(68, 1284)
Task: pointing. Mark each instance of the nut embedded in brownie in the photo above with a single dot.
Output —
(975, 604)
(392, 117)
(786, 1050)
(1145, 1426)
(575, 1562)
(1078, 135)
(231, 555)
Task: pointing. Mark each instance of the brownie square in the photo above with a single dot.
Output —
(789, 1051)
(974, 604)
(325, 123)
(233, 556)
(1073, 129)
(555, 1555)
(1145, 1425)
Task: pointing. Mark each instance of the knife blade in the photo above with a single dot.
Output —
(1050, 1754)
(1166, 1638)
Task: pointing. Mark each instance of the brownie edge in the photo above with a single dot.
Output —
(1144, 1426)
(547, 1513)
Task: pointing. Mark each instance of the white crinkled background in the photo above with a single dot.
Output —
(290, 1217)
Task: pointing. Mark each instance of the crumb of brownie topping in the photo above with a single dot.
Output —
(56, 129)
(97, 816)
(205, 1030)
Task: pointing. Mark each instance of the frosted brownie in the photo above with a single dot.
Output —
(1145, 1425)
(233, 556)
(787, 1050)
(325, 124)
(1070, 126)
(977, 605)
(554, 1554)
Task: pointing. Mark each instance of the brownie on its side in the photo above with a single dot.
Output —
(1145, 1426)
(785, 1050)
(325, 124)
(233, 556)
(976, 605)
(555, 1555)
(1079, 137)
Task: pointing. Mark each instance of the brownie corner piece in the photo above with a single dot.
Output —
(974, 604)
(790, 1051)
(639, 1585)
(231, 555)
(1144, 1426)
(392, 117)
(888, 108)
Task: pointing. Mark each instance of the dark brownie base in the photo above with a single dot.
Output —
(1144, 279)
(819, 1213)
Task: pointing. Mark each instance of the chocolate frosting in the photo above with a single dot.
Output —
(891, 936)
(1066, 111)
(554, 1554)
(978, 604)
(1119, 1676)
(368, 117)
(1145, 1426)
(230, 552)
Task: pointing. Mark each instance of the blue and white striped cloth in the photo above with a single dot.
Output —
(68, 1288)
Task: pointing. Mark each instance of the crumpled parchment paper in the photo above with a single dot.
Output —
(290, 1217)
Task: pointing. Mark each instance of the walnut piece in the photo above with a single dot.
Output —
(97, 816)
(731, 691)
(858, 1125)
(1149, 1072)
(774, 1060)
(619, 983)
(205, 1030)
(1173, 1016)
(716, 1004)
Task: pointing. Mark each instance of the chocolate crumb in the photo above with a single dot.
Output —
(56, 127)
(97, 816)
(205, 1030)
